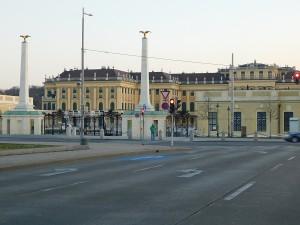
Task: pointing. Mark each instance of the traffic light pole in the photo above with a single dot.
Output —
(172, 129)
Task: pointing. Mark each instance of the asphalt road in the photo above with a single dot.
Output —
(208, 185)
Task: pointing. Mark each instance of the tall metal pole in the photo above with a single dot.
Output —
(83, 141)
(172, 129)
(208, 117)
(232, 96)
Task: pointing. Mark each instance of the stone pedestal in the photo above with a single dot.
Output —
(136, 126)
(22, 123)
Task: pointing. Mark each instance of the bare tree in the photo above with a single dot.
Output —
(272, 111)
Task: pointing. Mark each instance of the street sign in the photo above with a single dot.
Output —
(165, 94)
(165, 106)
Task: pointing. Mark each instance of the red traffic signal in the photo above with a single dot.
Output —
(296, 76)
(172, 105)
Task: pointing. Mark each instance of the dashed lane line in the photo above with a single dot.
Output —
(293, 157)
(239, 191)
(276, 167)
(149, 168)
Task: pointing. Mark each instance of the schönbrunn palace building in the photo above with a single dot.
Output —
(265, 97)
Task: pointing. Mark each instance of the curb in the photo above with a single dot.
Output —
(43, 150)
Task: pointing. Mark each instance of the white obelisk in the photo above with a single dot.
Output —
(144, 96)
(24, 104)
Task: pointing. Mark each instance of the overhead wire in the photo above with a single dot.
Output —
(157, 58)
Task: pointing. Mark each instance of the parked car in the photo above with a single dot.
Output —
(293, 137)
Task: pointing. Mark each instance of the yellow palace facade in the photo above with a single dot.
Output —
(265, 97)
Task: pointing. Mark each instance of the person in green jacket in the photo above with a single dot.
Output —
(152, 129)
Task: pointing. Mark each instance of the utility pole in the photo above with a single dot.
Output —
(208, 117)
(232, 95)
(83, 141)
(172, 127)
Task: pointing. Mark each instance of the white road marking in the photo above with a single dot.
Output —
(292, 158)
(149, 168)
(261, 152)
(276, 167)
(189, 173)
(197, 157)
(63, 186)
(239, 191)
(59, 171)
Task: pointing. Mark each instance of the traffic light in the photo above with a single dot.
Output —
(296, 76)
(172, 105)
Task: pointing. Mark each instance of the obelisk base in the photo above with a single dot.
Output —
(22, 123)
(137, 126)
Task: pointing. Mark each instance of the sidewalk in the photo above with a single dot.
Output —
(74, 152)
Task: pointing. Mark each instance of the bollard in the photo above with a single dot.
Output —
(192, 135)
(255, 136)
(129, 134)
(69, 131)
(101, 133)
(160, 135)
(223, 135)
(74, 131)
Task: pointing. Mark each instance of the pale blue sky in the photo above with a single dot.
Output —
(198, 30)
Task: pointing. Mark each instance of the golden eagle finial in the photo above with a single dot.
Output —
(145, 33)
(25, 37)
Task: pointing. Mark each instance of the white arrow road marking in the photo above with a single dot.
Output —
(239, 191)
(59, 171)
(189, 173)
(292, 158)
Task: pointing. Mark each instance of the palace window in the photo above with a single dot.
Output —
(157, 91)
(74, 93)
(252, 75)
(192, 93)
(261, 121)
(87, 105)
(243, 76)
(237, 122)
(112, 106)
(101, 106)
(261, 75)
(63, 93)
(74, 106)
(156, 107)
(212, 121)
(192, 107)
(183, 106)
(270, 75)
(287, 116)
(183, 93)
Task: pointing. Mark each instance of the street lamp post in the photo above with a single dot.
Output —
(217, 106)
(83, 141)
(228, 121)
